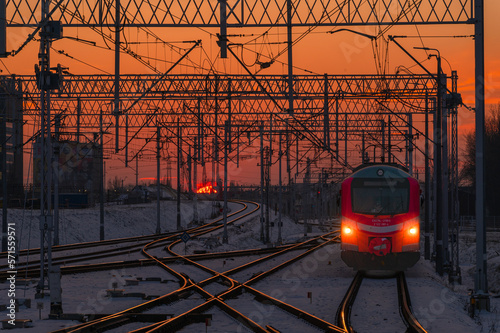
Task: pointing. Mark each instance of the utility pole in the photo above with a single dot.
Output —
(195, 180)
(158, 188)
(280, 207)
(326, 116)
(290, 54)
(3, 140)
(268, 162)
(101, 177)
(291, 209)
(179, 156)
(389, 140)
(116, 110)
(226, 152)
(438, 172)
(445, 177)
(261, 129)
(45, 85)
(382, 125)
(55, 163)
(410, 144)
(427, 246)
(137, 169)
(480, 297)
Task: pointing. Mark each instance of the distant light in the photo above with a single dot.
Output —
(347, 230)
(206, 188)
(413, 230)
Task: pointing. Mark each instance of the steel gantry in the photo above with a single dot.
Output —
(329, 112)
(243, 13)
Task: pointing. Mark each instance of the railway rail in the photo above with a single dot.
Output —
(230, 291)
(404, 303)
(122, 245)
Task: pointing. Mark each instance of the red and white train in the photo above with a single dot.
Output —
(380, 212)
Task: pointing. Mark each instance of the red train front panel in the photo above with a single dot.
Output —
(380, 227)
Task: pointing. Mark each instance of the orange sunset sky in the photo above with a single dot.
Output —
(318, 53)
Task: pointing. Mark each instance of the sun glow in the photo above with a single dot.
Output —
(206, 188)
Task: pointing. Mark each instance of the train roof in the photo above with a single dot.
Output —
(379, 171)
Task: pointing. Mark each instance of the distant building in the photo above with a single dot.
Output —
(77, 168)
(11, 133)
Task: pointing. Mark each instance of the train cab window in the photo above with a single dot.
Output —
(380, 197)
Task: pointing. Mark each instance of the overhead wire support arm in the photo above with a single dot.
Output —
(393, 39)
(154, 83)
(315, 140)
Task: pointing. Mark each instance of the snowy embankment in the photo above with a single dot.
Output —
(83, 225)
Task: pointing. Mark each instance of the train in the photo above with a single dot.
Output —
(380, 219)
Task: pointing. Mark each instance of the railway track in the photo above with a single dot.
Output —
(112, 248)
(345, 309)
(228, 289)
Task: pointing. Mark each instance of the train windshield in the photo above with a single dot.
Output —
(380, 196)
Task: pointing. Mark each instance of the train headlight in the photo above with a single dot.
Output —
(413, 231)
(411, 234)
(347, 230)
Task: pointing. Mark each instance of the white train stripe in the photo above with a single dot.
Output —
(371, 228)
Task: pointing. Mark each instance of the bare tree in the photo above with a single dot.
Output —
(491, 159)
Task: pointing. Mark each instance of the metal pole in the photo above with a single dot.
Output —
(268, 181)
(382, 158)
(179, 142)
(3, 137)
(101, 178)
(363, 147)
(158, 188)
(290, 54)
(326, 116)
(427, 246)
(389, 140)
(117, 76)
(445, 181)
(216, 134)
(439, 174)
(126, 140)
(481, 281)
(190, 171)
(337, 127)
(345, 146)
(137, 169)
(280, 207)
(410, 143)
(229, 111)
(46, 226)
(195, 182)
(78, 115)
(223, 29)
(55, 163)
(291, 210)
(226, 152)
(261, 129)
(297, 155)
(3, 29)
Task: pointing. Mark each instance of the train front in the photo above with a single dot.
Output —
(380, 208)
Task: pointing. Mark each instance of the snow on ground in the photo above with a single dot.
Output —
(83, 225)
(438, 305)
